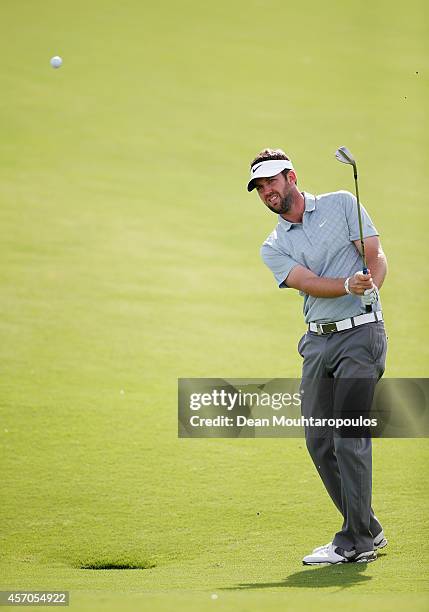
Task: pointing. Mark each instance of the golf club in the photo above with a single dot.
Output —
(344, 156)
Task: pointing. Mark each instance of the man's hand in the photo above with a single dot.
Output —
(360, 282)
(370, 296)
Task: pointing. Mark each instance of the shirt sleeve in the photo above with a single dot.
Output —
(280, 264)
(351, 208)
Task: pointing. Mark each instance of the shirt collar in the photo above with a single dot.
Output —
(310, 202)
(309, 206)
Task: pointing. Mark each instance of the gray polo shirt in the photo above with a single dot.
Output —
(323, 243)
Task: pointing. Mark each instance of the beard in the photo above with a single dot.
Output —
(285, 205)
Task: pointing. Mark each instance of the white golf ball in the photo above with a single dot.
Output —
(214, 596)
(56, 61)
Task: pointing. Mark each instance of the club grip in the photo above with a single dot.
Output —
(367, 308)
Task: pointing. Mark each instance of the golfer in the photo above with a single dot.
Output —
(315, 248)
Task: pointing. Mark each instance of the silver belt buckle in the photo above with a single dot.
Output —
(319, 329)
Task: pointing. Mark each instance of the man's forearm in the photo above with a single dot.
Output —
(378, 267)
(375, 259)
(323, 287)
(306, 281)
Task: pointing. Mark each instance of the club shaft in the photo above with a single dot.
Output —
(362, 244)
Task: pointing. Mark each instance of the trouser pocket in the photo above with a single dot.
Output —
(301, 344)
(378, 342)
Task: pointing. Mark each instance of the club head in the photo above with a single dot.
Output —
(344, 156)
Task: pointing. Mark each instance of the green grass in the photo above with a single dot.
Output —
(130, 257)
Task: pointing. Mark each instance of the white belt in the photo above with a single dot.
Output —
(329, 328)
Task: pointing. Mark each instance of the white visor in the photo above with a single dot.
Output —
(267, 168)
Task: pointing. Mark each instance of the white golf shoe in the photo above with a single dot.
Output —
(380, 541)
(334, 554)
(365, 557)
(327, 554)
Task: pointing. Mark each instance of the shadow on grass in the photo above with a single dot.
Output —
(103, 564)
(343, 576)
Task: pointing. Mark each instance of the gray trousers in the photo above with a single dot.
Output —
(338, 367)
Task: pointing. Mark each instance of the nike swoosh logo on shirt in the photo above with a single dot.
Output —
(323, 223)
